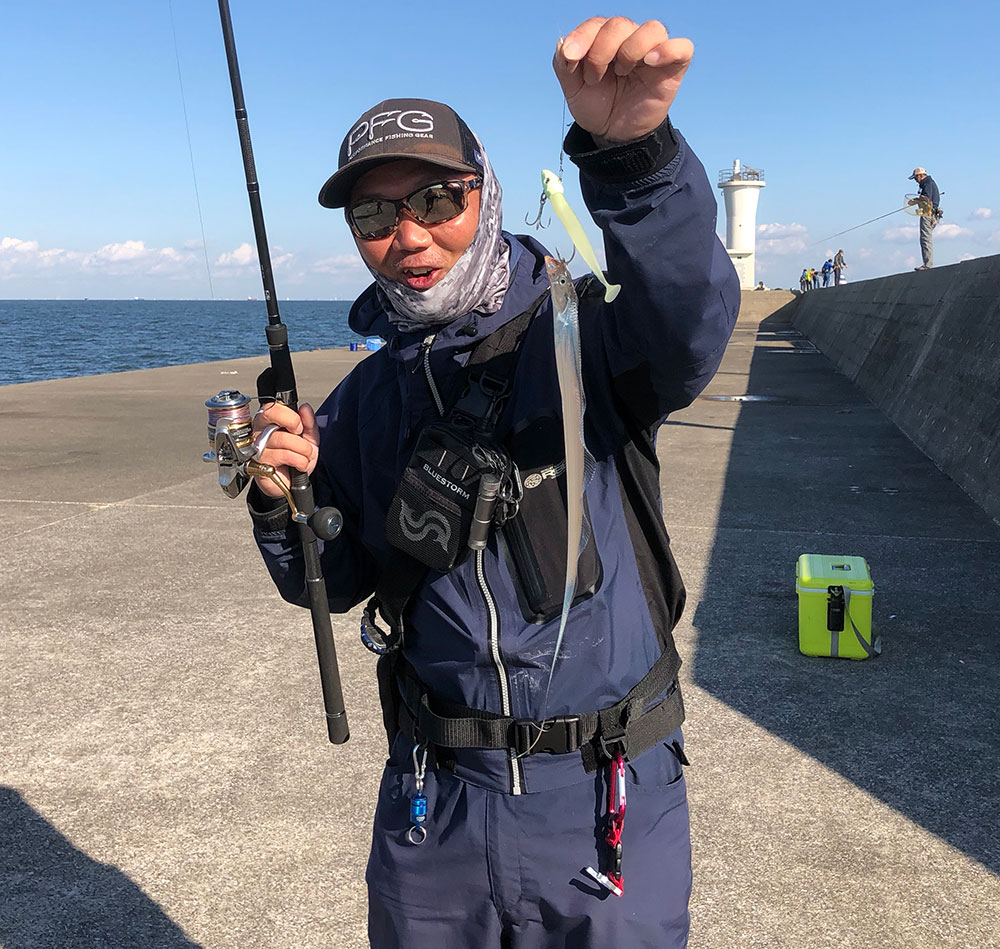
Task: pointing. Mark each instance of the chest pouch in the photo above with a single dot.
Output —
(458, 482)
(454, 487)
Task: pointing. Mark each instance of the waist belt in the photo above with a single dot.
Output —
(627, 726)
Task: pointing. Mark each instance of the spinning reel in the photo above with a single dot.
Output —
(234, 449)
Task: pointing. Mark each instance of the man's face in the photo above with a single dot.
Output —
(919, 178)
(415, 255)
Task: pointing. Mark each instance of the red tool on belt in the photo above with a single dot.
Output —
(613, 880)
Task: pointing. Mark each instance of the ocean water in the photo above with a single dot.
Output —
(54, 339)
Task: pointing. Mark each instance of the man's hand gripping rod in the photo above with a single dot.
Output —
(235, 451)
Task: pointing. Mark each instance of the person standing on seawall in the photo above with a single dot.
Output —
(513, 816)
(931, 197)
(838, 266)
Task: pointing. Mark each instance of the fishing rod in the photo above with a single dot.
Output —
(235, 450)
(856, 226)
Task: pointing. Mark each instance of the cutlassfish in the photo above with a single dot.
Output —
(580, 463)
(552, 188)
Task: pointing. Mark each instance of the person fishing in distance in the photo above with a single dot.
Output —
(444, 453)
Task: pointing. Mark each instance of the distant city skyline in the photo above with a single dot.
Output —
(99, 199)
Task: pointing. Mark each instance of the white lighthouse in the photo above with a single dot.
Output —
(741, 186)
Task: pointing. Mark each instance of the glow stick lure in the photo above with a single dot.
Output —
(553, 189)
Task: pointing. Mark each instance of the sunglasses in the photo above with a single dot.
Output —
(374, 218)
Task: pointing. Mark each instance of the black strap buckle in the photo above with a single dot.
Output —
(481, 403)
(554, 736)
(614, 739)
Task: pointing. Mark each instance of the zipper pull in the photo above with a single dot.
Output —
(425, 348)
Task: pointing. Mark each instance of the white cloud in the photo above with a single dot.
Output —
(241, 257)
(967, 257)
(246, 256)
(131, 266)
(25, 259)
(338, 264)
(865, 252)
(905, 232)
(781, 239)
(984, 213)
(19, 257)
(781, 230)
(17, 246)
(127, 250)
(951, 231)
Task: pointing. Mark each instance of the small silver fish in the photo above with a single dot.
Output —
(579, 462)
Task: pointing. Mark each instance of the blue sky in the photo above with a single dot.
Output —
(836, 102)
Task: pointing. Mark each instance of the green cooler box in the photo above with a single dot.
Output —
(835, 607)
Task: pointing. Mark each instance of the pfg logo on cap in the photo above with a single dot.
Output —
(394, 123)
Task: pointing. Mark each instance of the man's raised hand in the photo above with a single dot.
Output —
(620, 78)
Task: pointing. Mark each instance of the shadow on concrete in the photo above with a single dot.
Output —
(819, 469)
(54, 895)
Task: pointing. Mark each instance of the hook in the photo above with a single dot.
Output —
(537, 222)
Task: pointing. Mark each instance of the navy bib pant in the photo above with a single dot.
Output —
(503, 870)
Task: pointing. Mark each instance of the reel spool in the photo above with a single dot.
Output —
(917, 205)
(230, 438)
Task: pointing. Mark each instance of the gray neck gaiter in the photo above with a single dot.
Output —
(477, 281)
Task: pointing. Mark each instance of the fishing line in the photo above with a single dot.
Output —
(537, 222)
(856, 226)
(187, 129)
(562, 141)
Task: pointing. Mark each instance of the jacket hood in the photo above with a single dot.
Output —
(527, 280)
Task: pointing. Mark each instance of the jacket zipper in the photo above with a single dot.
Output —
(493, 638)
(425, 358)
(492, 616)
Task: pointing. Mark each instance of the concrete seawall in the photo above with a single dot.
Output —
(925, 348)
(165, 778)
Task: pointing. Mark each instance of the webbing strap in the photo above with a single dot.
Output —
(628, 724)
(496, 356)
(873, 648)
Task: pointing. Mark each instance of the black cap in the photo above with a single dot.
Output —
(401, 128)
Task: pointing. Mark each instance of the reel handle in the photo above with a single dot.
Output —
(326, 522)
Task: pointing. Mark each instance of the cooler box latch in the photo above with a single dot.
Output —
(835, 609)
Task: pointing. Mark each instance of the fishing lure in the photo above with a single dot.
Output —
(553, 190)
(580, 463)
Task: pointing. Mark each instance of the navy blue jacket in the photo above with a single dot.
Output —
(649, 353)
(929, 189)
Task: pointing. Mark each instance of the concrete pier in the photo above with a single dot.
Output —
(165, 779)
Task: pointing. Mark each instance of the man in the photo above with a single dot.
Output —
(804, 280)
(511, 820)
(827, 267)
(838, 266)
(929, 199)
